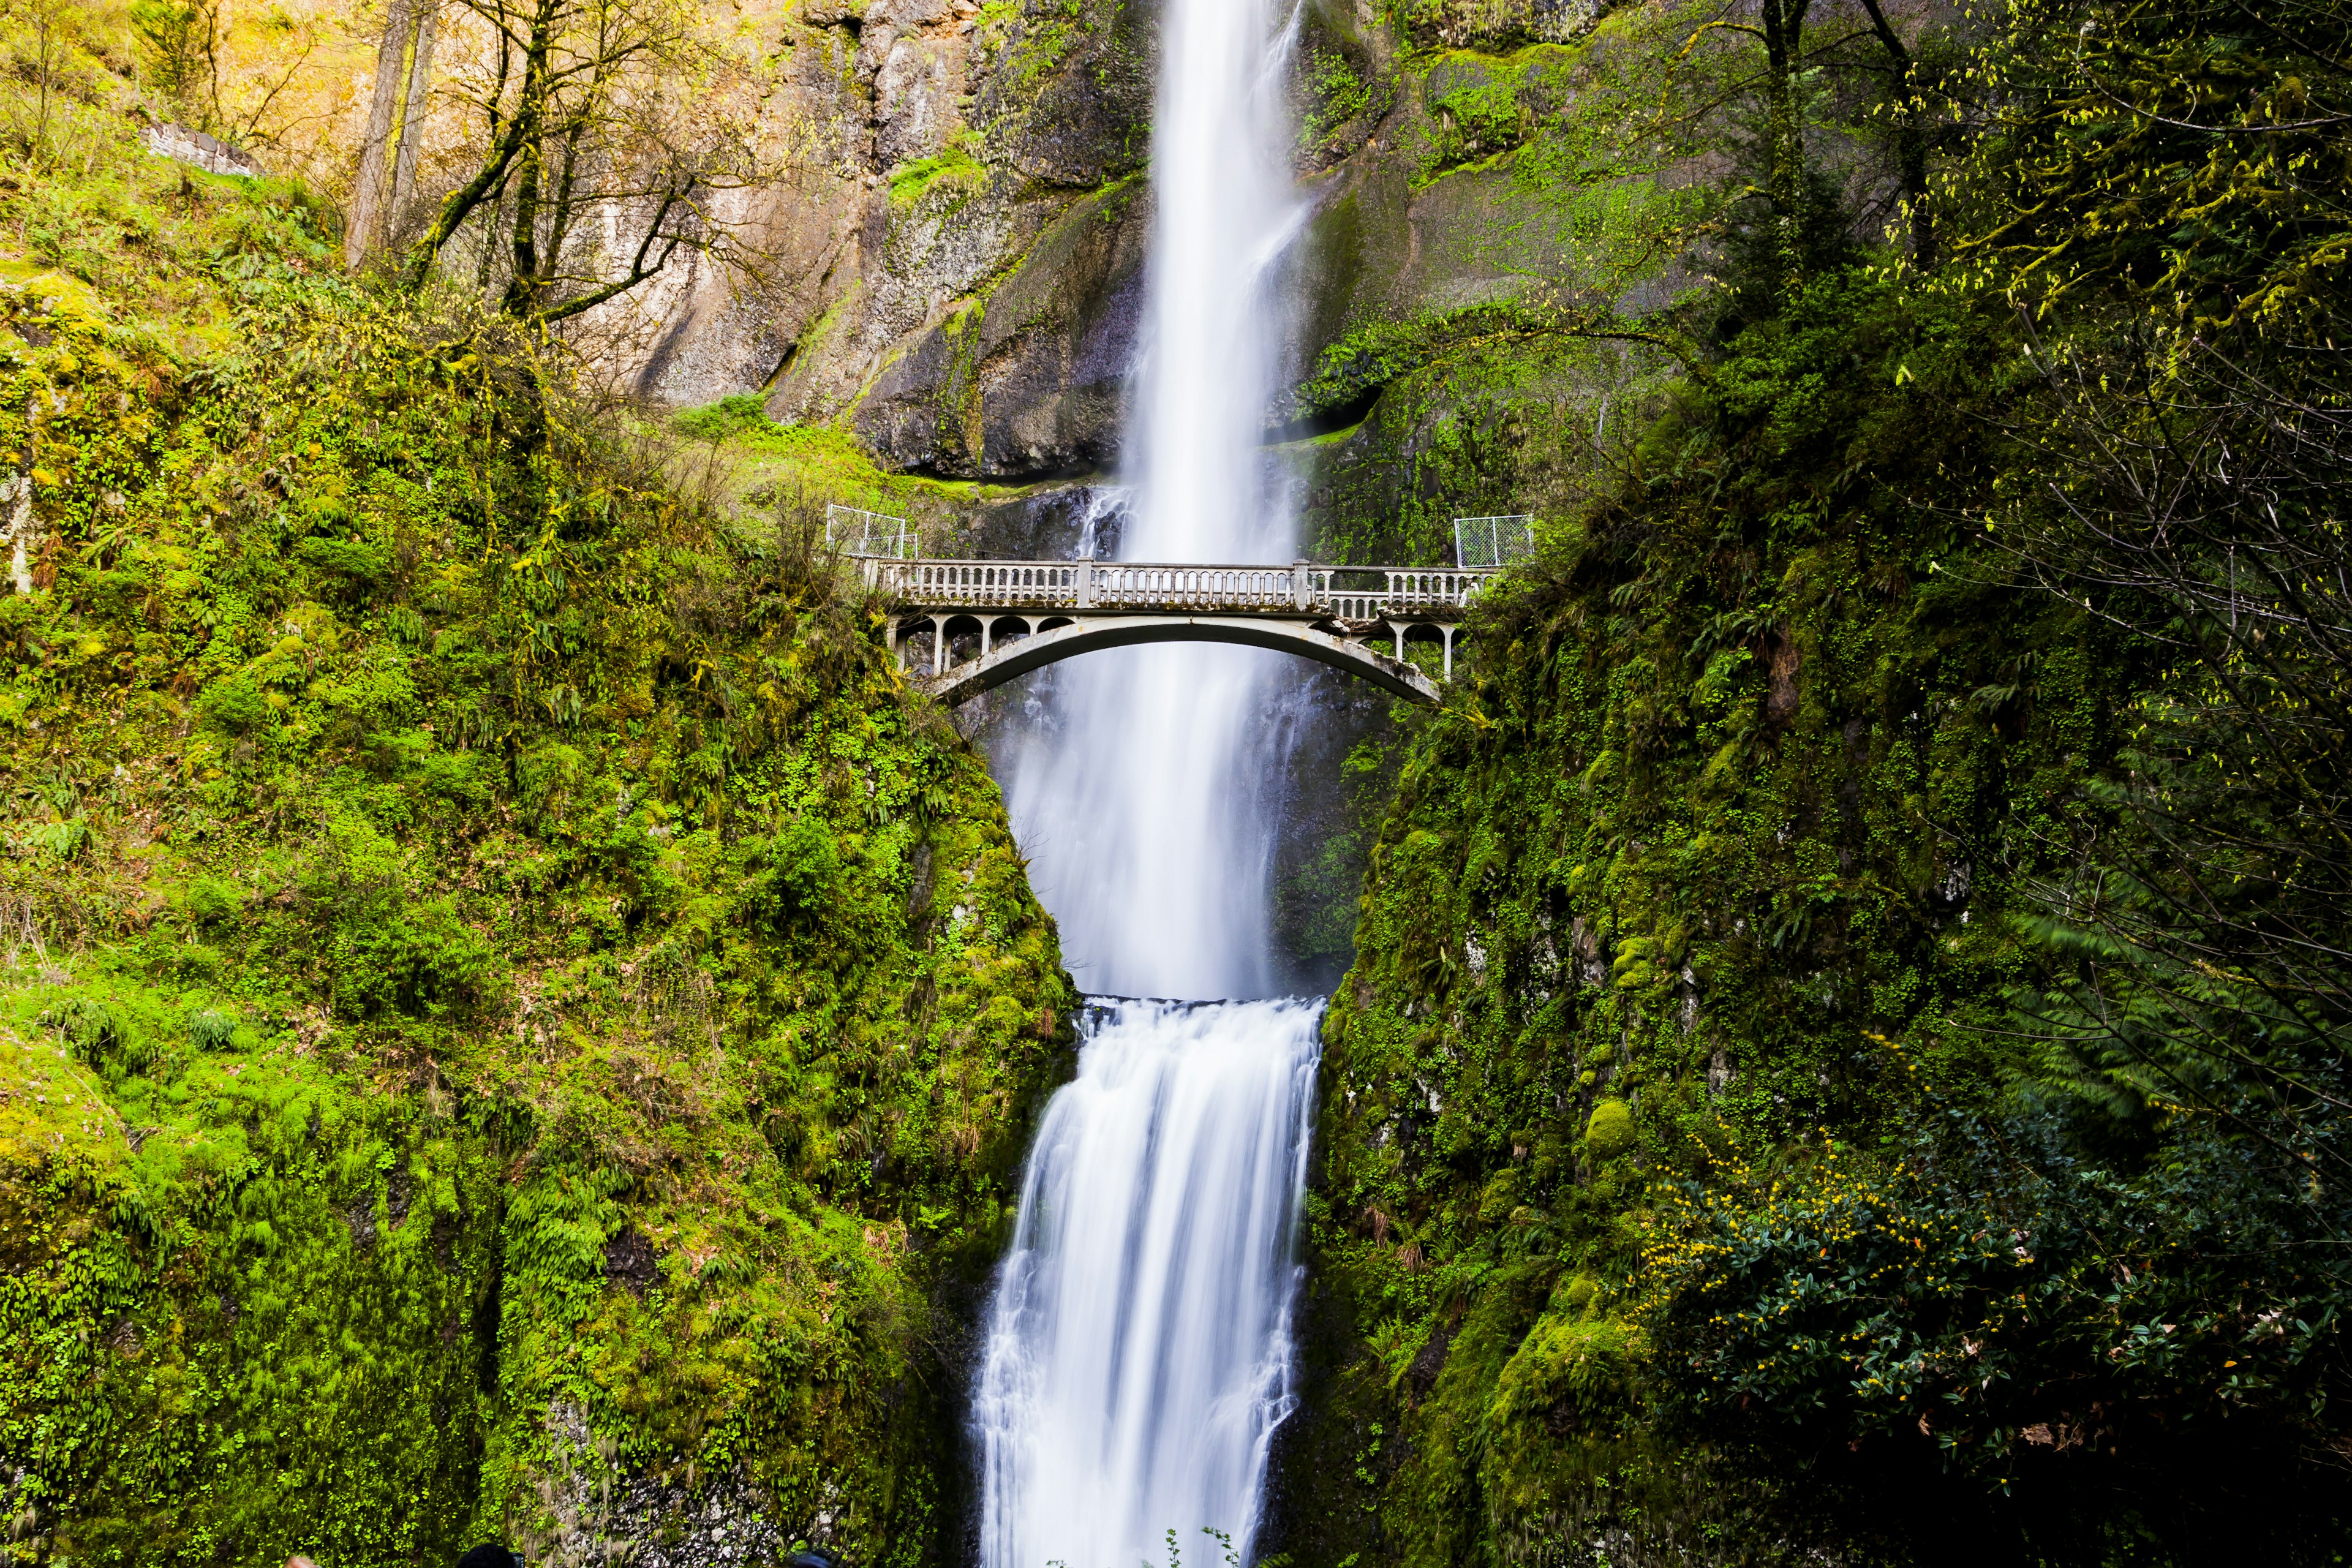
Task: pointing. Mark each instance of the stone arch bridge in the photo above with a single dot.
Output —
(1019, 616)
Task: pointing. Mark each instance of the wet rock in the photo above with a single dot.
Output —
(1064, 522)
(1429, 1362)
(593, 1516)
(631, 1261)
(1028, 381)
(1069, 98)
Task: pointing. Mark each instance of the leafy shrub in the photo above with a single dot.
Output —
(235, 703)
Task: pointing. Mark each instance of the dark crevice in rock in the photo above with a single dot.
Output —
(792, 351)
(1330, 421)
(630, 1261)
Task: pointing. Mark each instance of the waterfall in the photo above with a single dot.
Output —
(1137, 1352)
(1139, 1357)
(1144, 812)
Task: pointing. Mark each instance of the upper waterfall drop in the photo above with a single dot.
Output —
(1149, 837)
(1225, 208)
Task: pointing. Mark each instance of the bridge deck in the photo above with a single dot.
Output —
(1299, 591)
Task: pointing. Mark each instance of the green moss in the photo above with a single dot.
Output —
(1343, 86)
(960, 389)
(507, 991)
(739, 414)
(766, 464)
(1474, 102)
(952, 172)
(1610, 1131)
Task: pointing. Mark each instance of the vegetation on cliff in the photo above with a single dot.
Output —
(1844, 1057)
(509, 1011)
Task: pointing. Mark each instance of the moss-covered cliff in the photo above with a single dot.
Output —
(1716, 843)
(1838, 1066)
(514, 1023)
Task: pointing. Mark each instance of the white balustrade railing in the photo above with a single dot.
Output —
(1045, 583)
(1299, 589)
(1118, 584)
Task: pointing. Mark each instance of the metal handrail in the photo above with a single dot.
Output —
(1302, 588)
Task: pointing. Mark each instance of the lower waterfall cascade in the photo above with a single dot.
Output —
(1139, 1353)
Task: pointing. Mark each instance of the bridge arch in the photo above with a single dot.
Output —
(1061, 638)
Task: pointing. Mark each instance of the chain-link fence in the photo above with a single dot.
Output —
(1489, 541)
(855, 532)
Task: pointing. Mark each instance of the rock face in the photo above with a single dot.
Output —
(1027, 380)
(953, 253)
(591, 1517)
(950, 255)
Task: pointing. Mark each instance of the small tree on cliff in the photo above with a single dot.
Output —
(1788, 69)
(609, 126)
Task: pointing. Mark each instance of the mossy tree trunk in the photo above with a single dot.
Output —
(1784, 179)
(368, 192)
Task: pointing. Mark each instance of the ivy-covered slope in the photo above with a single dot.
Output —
(1714, 850)
(513, 1020)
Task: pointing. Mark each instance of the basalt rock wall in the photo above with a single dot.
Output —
(959, 246)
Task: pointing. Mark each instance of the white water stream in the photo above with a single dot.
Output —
(1138, 1357)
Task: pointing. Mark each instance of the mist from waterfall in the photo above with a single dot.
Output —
(1138, 1357)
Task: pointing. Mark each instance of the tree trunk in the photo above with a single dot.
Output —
(412, 119)
(1784, 180)
(522, 287)
(1910, 140)
(368, 192)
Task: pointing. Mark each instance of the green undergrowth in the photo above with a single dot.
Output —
(762, 464)
(507, 994)
(1712, 849)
